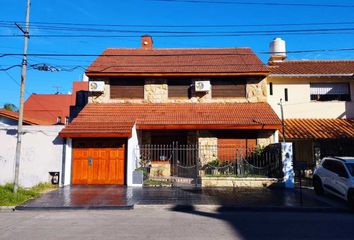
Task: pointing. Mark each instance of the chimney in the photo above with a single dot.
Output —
(277, 49)
(146, 42)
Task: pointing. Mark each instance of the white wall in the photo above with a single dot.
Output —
(41, 153)
(132, 163)
(299, 104)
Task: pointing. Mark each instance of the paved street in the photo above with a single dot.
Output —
(161, 223)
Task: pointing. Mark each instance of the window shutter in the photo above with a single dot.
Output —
(329, 88)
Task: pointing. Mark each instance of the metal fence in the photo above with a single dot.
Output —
(191, 161)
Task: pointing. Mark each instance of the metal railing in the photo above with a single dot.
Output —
(191, 161)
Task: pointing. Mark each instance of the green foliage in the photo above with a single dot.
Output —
(214, 163)
(258, 150)
(10, 107)
(8, 198)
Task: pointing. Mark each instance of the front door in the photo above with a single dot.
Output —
(98, 161)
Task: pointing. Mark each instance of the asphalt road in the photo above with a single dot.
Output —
(158, 223)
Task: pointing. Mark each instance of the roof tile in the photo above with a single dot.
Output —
(207, 60)
(118, 118)
(324, 67)
(319, 128)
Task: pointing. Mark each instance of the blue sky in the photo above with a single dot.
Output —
(147, 12)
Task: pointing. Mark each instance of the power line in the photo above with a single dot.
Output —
(257, 3)
(169, 54)
(39, 24)
(275, 33)
(190, 32)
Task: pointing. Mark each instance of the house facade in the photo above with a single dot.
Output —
(162, 97)
(318, 103)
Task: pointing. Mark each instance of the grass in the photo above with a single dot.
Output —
(8, 198)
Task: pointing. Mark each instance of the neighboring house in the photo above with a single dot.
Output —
(166, 96)
(42, 149)
(318, 103)
(9, 118)
(57, 108)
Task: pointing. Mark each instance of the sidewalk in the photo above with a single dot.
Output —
(115, 197)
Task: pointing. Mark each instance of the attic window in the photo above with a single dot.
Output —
(330, 91)
(58, 120)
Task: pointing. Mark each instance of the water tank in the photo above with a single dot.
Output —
(277, 47)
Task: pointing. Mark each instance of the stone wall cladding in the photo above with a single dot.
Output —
(208, 150)
(256, 90)
(156, 91)
(265, 138)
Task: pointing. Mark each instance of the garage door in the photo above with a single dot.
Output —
(229, 148)
(98, 161)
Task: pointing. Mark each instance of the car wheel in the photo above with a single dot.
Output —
(351, 198)
(317, 185)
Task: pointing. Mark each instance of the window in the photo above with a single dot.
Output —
(58, 120)
(350, 167)
(336, 167)
(270, 88)
(330, 91)
(66, 120)
(228, 88)
(286, 95)
(179, 88)
(131, 88)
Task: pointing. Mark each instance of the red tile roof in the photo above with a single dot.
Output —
(48, 107)
(177, 61)
(325, 67)
(26, 120)
(102, 120)
(319, 128)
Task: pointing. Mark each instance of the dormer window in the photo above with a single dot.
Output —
(58, 120)
(66, 120)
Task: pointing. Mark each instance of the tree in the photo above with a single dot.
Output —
(10, 107)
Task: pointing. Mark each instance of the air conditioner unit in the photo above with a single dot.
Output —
(96, 86)
(202, 86)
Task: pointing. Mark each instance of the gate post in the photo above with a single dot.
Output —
(287, 159)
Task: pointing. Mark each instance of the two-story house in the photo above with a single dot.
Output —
(162, 96)
(318, 103)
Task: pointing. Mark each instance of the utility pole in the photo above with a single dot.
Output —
(23, 79)
(282, 119)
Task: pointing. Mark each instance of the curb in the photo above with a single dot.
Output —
(7, 208)
(231, 208)
(69, 208)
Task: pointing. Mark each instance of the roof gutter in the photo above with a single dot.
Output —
(100, 74)
(313, 75)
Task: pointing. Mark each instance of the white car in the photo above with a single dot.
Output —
(335, 175)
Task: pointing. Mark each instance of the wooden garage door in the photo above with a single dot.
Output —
(99, 161)
(228, 148)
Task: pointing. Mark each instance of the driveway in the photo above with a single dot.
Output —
(116, 197)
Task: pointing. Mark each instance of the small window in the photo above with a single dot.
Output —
(330, 91)
(270, 88)
(66, 120)
(286, 97)
(58, 120)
